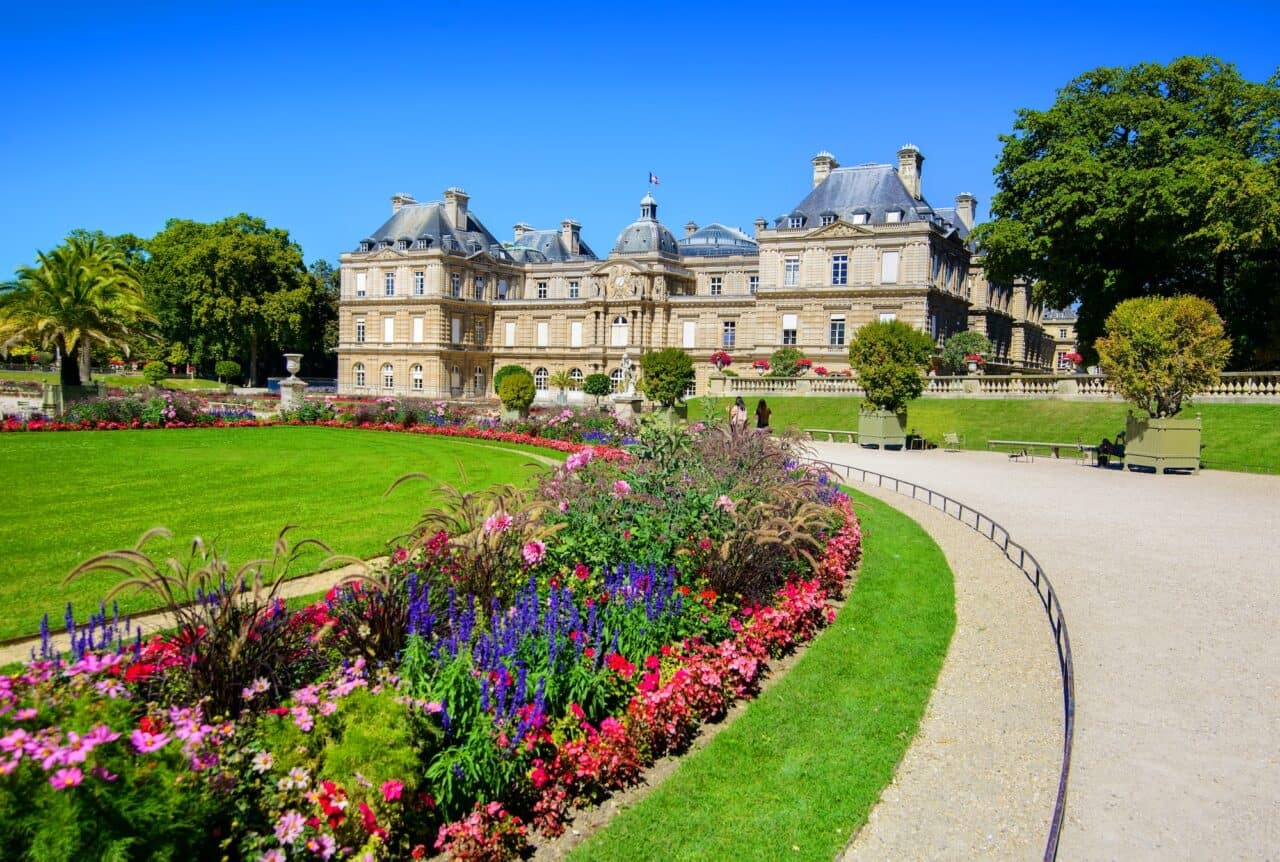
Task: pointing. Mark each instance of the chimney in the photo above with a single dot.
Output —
(910, 163)
(690, 228)
(760, 224)
(966, 204)
(455, 207)
(823, 164)
(399, 199)
(521, 229)
(569, 235)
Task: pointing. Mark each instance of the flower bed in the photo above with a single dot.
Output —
(501, 670)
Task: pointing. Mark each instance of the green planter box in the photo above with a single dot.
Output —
(1162, 444)
(515, 414)
(882, 428)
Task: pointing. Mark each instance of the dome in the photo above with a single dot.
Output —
(646, 234)
(717, 240)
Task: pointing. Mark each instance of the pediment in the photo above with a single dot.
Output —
(387, 254)
(840, 229)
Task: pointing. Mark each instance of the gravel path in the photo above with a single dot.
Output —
(1168, 586)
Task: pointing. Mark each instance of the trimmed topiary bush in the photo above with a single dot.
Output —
(155, 372)
(517, 390)
(598, 385)
(502, 373)
(668, 374)
(888, 358)
(226, 368)
(960, 346)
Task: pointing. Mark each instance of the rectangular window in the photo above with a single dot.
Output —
(893, 216)
(480, 333)
(795, 222)
(717, 285)
(502, 288)
(790, 324)
(455, 330)
(479, 287)
(729, 333)
(889, 267)
(1062, 333)
(753, 284)
(419, 283)
(389, 283)
(388, 329)
(455, 285)
(360, 283)
(543, 333)
(690, 335)
(575, 333)
(542, 290)
(417, 329)
(837, 331)
(888, 317)
(573, 290)
(839, 269)
(791, 271)
(360, 330)
(509, 334)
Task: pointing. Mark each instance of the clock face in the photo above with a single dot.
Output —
(620, 280)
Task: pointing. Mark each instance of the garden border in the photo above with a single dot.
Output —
(1036, 576)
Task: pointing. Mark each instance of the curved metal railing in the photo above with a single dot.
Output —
(1035, 574)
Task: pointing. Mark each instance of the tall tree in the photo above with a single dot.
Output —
(83, 292)
(235, 289)
(1147, 180)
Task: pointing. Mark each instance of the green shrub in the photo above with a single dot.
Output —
(502, 373)
(959, 346)
(517, 390)
(228, 368)
(785, 362)
(598, 385)
(668, 374)
(888, 358)
(154, 372)
(1158, 350)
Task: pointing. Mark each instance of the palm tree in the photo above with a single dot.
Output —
(561, 381)
(84, 291)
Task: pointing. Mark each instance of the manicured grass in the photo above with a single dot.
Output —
(1235, 437)
(75, 494)
(799, 771)
(116, 381)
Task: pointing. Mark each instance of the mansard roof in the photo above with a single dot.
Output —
(429, 222)
(873, 189)
(716, 240)
(543, 246)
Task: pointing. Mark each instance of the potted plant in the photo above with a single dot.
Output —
(668, 374)
(760, 365)
(974, 361)
(721, 360)
(1157, 351)
(963, 351)
(820, 371)
(516, 392)
(1075, 359)
(562, 382)
(888, 358)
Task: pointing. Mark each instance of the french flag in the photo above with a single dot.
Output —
(653, 178)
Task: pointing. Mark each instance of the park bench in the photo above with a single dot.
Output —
(1025, 447)
(849, 436)
(952, 442)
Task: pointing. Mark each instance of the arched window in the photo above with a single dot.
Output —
(540, 377)
(616, 376)
(620, 331)
(388, 377)
(415, 374)
(477, 378)
(358, 370)
(575, 374)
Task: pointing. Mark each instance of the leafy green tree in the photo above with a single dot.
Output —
(889, 358)
(960, 345)
(234, 289)
(502, 373)
(668, 374)
(1159, 351)
(83, 292)
(322, 336)
(517, 390)
(1150, 180)
(228, 368)
(597, 385)
(155, 372)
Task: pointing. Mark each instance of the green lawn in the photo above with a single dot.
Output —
(116, 381)
(79, 493)
(1236, 436)
(802, 767)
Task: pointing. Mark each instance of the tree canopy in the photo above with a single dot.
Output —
(668, 374)
(888, 358)
(1147, 180)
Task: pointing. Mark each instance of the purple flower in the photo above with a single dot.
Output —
(621, 488)
(302, 718)
(64, 778)
(145, 743)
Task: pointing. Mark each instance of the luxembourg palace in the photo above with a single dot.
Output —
(432, 303)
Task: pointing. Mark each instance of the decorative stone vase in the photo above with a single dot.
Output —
(882, 429)
(973, 367)
(292, 362)
(1162, 444)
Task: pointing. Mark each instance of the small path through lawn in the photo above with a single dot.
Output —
(1168, 585)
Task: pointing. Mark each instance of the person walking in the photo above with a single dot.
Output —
(762, 415)
(738, 414)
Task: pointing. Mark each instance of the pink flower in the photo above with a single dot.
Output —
(145, 742)
(498, 522)
(533, 552)
(725, 502)
(289, 827)
(302, 718)
(64, 778)
(392, 789)
(621, 488)
(271, 855)
(581, 572)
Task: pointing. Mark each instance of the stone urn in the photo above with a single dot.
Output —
(292, 389)
(292, 364)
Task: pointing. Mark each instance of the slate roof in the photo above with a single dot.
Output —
(873, 189)
(715, 240)
(646, 233)
(541, 246)
(413, 222)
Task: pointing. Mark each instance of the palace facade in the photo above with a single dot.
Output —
(433, 303)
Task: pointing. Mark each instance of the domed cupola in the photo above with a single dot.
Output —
(646, 234)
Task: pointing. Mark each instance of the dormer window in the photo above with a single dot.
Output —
(859, 218)
(828, 219)
(386, 243)
(423, 242)
(893, 216)
(366, 245)
(402, 244)
(794, 222)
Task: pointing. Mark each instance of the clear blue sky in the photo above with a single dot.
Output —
(119, 116)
